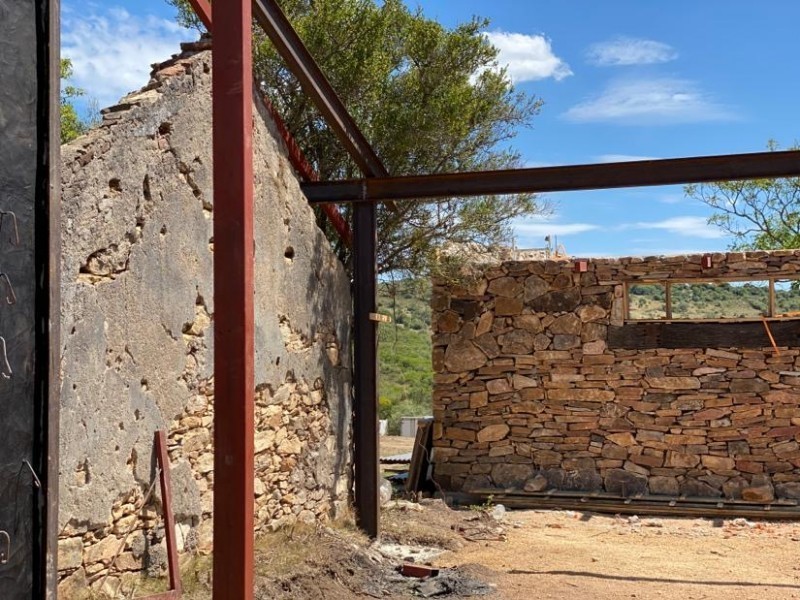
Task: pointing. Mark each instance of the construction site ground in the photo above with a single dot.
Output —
(484, 551)
(487, 551)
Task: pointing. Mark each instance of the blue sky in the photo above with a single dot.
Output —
(621, 79)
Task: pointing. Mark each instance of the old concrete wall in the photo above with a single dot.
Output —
(138, 311)
(532, 391)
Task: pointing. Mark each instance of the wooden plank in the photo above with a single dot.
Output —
(648, 335)
(420, 457)
(644, 506)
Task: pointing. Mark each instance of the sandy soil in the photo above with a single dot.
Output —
(570, 555)
(525, 555)
(395, 444)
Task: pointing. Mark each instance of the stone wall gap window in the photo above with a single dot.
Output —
(647, 301)
(713, 300)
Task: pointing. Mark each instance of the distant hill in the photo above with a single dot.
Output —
(404, 350)
(746, 300)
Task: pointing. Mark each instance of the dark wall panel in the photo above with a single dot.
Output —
(644, 336)
(26, 61)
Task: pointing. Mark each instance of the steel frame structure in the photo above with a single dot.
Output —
(233, 258)
(642, 173)
(234, 378)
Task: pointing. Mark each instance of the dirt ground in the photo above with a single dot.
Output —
(523, 555)
(574, 555)
(395, 444)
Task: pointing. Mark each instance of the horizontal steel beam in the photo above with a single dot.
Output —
(560, 179)
(269, 16)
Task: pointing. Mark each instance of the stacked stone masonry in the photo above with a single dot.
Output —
(138, 335)
(529, 395)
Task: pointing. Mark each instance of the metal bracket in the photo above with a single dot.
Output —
(5, 554)
(3, 213)
(11, 297)
(36, 481)
(7, 373)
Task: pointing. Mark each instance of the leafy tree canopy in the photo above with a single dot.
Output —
(71, 124)
(430, 99)
(759, 214)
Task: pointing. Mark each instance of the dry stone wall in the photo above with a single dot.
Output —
(530, 395)
(137, 335)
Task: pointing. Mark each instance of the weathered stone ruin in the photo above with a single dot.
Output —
(544, 381)
(138, 207)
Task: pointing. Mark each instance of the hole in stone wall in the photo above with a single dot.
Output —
(165, 128)
(148, 196)
(289, 253)
(114, 184)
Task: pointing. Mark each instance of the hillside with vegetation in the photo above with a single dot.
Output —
(404, 351)
(713, 300)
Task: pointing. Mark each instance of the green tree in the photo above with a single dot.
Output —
(430, 99)
(759, 214)
(71, 124)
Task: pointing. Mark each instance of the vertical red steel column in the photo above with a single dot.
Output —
(365, 368)
(233, 300)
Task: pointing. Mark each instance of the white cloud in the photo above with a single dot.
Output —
(544, 228)
(623, 51)
(660, 101)
(612, 158)
(671, 198)
(529, 57)
(112, 50)
(685, 226)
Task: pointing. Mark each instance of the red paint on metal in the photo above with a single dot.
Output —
(203, 11)
(296, 156)
(169, 520)
(667, 171)
(307, 172)
(233, 300)
(581, 266)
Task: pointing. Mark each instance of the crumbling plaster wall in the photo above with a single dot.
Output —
(540, 385)
(137, 335)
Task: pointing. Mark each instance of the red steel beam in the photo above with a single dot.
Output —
(365, 428)
(203, 10)
(307, 172)
(560, 179)
(162, 459)
(365, 370)
(313, 81)
(233, 301)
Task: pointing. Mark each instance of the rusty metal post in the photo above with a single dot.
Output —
(48, 294)
(233, 301)
(365, 374)
(162, 460)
